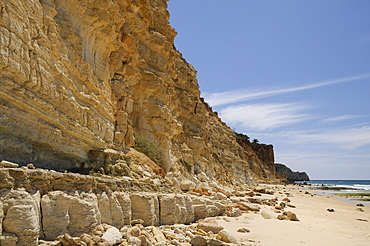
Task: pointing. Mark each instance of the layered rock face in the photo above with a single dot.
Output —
(264, 152)
(81, 77)
(36, 203)
(290, 175)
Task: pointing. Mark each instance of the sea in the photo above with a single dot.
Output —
(349, 186)
(363, 185)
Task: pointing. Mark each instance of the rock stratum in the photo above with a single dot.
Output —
(82, 77)
(42, 207)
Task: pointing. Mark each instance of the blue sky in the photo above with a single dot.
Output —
(292, 73)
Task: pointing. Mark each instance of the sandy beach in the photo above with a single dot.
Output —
(347, 225)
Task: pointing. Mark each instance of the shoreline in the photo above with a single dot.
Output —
(339, 198)
(347, 225)
(331, 192)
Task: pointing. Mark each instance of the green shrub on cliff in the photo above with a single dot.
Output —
(241, 136)
(144, 145)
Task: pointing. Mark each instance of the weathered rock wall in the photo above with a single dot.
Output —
(265, 152)
(80, 77)
(37, 203)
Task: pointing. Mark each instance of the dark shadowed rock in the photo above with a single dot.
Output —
(290, 175)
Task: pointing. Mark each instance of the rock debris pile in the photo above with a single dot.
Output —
(51, 208)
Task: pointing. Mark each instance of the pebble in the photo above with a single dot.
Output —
(31, 166)
(243, 230)
(198, 241)
(138, 221)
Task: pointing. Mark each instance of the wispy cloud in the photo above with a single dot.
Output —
(346, 137)
(241, 95)
(260, 117)
(339, 118)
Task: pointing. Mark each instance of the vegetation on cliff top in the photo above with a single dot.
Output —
(244, 137)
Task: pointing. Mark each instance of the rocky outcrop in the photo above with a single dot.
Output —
(265, 152)
(290, 175)
(76, 204)
(74, 208)
(81, 78)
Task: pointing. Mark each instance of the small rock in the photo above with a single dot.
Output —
(260, 189)
(249, 207)
(86, 238)
(198, 241)
(202, 177)
(175, 242)
(288, 216)
(144, 240)
(282, 217)
(178, 231)
(360, 209)
(158, 234)
(221, 196)
(202, 191)
(137, 221)
(47, 243)
(189, 234)
(290, 205)
(330, 210)
(4, 163)
(235, 212)
(169, 234)
(243, 230)
(200, 232)
(226, 219)
(214, 242)
(209, 224)
(226, 236)
(250, 194)
(99, 233)
(134, 231)
(149, 238)
(267, 215)
(112, 235)
(67, 240)
(31, 166)
(360, 205)
(364, 220)
(225, 192)
(255, 200)
(186, 185)
(134, 241)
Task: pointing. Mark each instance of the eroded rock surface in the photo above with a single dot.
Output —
(81, 78)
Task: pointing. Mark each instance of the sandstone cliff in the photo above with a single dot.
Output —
(80, 78)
